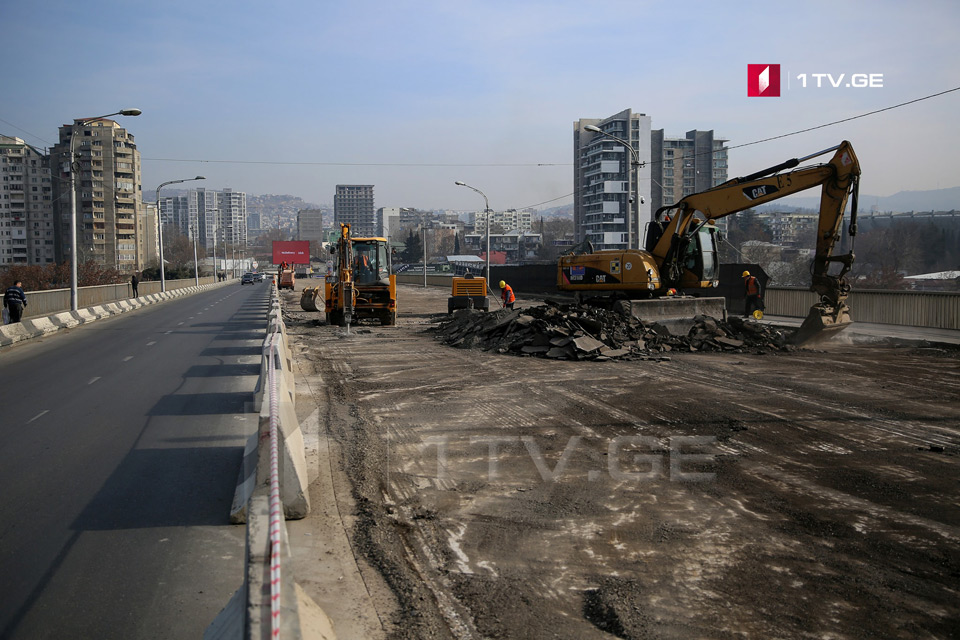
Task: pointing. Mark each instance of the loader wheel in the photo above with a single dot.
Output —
(389, 319)
(623, 308)
(758, 315)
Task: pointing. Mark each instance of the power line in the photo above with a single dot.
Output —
(367, 164)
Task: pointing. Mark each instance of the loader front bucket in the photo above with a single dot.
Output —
(308, 299)
(822, 322)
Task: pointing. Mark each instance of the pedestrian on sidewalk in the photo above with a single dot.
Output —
(14, 301)
(135, 282)
(506, 294)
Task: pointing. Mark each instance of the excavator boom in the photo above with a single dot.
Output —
(838, 179)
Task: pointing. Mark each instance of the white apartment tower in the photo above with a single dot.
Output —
(27, 230)
(605, 207)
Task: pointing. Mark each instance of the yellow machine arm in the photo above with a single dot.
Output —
(839, 179)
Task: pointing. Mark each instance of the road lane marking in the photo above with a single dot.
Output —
(153, 342)
(168, 332)
(128, 358)
(38, 415)
(92, 380)
(179, 323)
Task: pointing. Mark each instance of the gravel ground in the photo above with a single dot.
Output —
(805, 494)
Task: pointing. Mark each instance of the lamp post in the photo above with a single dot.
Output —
(73, 198)
(163, 281)
(633, 186)
(486, 210)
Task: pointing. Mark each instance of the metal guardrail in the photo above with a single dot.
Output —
(935, 309)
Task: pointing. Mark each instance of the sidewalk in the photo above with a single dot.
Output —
(874, 330)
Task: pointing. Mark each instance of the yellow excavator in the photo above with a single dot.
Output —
(681, 243)
(360, 285)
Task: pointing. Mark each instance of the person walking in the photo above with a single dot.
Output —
(506, 294)
(751, 292)
(135, 282)
(14, 301)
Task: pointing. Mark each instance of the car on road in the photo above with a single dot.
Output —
(247, 279)
(258, 277)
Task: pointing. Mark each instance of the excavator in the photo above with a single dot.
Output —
(681, 242)
(361, 284)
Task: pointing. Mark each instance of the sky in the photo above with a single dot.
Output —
(294, 97)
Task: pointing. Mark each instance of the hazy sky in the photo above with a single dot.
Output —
(295, 97)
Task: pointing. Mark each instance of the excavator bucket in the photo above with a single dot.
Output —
(823, 321)
(309, 298)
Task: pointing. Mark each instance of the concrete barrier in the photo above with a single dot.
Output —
(248, 613)
(255, 467)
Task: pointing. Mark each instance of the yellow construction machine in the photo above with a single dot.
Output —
(360, 285)
(681, 243)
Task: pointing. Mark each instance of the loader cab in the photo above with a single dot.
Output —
(371, 261)
(701, 254)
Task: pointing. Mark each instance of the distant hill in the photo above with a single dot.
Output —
(902, 201)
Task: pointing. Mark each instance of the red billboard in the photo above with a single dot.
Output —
(291, 251)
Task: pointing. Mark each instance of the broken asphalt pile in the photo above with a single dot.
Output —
(580, 332)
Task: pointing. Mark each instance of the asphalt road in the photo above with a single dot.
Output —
(122, 441)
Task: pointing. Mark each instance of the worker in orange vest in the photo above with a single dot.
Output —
(506, 294)
(751, 290)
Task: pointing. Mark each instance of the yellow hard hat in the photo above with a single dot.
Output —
(744, 274)
(502, 284)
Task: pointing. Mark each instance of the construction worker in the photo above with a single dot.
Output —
(506, 294)
(751, 291)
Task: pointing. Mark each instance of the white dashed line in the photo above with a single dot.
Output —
(38, 415)
(92, 380)
(153, 342)
(128, 358)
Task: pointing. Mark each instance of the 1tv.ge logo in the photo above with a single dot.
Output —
(763, 81)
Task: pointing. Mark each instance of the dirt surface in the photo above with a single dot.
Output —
(804, 494)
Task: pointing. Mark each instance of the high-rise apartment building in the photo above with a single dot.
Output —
(686, 165)
(353, 205)
(310, 224)
(233, 216)
(27, 230)
(215, 216)
(108, 193)
(605, 208)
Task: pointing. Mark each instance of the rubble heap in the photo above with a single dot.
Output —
(580, 332)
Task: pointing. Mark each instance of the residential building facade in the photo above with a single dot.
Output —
(108, 193)
(606, 209)
(686, 165)
(509, 220)
(310, 224)
(27, 228)
(353, 205)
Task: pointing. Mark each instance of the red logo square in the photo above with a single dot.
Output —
(763, 80)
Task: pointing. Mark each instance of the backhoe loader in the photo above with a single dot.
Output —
(681, 243)
(361, 285)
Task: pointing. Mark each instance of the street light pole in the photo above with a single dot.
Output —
(73, 198)
(633, 186)
(163, 280)
(486, 211)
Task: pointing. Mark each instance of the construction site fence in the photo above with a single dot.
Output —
(51, 301)
(935, 309)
